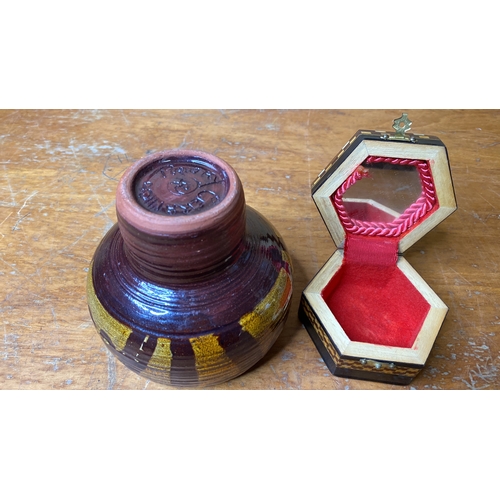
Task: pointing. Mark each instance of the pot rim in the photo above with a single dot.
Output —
(129, 209)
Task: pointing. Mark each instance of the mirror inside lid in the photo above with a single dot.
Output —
(381, 184)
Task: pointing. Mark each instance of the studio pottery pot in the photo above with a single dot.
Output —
(191, 287)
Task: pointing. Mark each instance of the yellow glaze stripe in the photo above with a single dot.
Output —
(269, 311)
(211, 359)
(162, 356)
(116, 331)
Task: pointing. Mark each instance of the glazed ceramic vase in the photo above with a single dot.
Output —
(191, 287)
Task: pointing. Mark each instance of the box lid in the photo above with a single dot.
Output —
(386, 184)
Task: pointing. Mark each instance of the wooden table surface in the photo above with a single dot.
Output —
(58, 174)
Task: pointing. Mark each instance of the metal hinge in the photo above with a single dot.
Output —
(378, 365)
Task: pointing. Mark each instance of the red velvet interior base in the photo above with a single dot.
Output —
(371, 298)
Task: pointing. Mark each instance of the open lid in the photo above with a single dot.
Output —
(383, 184)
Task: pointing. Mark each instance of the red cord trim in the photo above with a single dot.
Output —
(411, 215)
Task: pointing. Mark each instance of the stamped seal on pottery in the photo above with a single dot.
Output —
(178, 187)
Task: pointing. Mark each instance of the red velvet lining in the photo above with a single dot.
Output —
(371, 298)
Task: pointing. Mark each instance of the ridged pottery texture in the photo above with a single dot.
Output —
(191, 287)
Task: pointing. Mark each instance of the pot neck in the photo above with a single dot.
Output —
(182, 216)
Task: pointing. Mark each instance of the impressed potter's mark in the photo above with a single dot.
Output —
(180, 186)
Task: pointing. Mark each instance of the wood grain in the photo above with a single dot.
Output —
(58, 175)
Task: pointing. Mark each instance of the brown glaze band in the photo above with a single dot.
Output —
(163, 247)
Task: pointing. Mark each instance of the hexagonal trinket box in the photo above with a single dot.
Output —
(369, 313)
